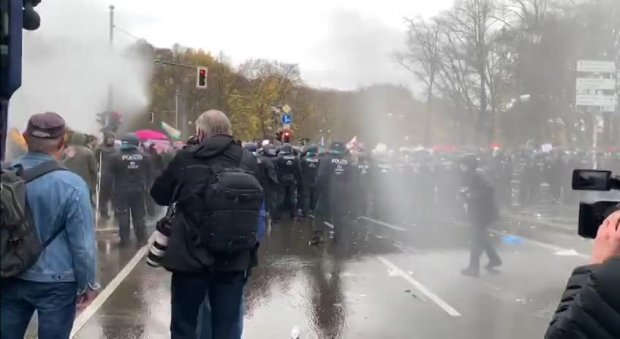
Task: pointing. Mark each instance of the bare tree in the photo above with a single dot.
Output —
(422, 59)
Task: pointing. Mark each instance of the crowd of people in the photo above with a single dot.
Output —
(221, 194)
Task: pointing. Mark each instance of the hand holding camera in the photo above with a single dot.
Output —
(607, 242)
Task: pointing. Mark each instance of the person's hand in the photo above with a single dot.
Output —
(607, 242)
(86, 299)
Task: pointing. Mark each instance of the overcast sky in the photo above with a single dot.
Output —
(337, 43)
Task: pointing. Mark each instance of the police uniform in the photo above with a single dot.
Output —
(309, 170)
(333, 181)
(289, 177)
(131, 174)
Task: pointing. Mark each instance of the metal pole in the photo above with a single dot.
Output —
(176, 109)
(111, 47)
(595, 139)
(98, 190)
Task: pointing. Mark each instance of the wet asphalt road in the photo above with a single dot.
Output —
(384, 281)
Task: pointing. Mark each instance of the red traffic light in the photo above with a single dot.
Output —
(203, 72)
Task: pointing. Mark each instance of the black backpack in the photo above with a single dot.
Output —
(20, 245)
(228, 208)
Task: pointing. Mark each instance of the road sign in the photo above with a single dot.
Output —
(287, 119)
(586, 85)
(595, 100)
(286, 109)
(596, 66)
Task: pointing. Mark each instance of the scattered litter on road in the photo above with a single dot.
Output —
(512, 240)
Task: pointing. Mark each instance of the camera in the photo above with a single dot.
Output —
(592, 214)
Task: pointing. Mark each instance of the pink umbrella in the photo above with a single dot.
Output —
(149, 134)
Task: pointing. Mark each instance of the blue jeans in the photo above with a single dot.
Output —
(54, 303)
(222, 295)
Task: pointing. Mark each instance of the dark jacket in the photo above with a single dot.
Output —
(103, 155)
(479, 196)
(180, 255)
(81, 160)
(590, 305)
(130, 170)
(332, 183)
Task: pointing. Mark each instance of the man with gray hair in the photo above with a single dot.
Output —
(212, 243)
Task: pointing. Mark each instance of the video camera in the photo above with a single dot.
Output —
(592, 215)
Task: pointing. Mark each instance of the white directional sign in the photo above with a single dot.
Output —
(586, 85)
(595, 66)
(595, 100)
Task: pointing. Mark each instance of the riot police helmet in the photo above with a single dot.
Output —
(130, 140)
(270, 150)
(286, 149)
(312, 149)
(337, 148)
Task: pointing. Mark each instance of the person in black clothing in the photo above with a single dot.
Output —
(482, 211)
(332, 185)
(103, 155)
(199, 271)
(309, 171)
(289, 177)
(590, 305)
(361, 179)
(131, 174)
(266, 163)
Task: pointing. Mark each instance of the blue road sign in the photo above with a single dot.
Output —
(287, 119)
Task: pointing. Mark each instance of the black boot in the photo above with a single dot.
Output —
(471, 272)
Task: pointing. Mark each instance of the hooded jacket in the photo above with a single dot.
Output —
(590, 306)
(81, 160)
(180, 255)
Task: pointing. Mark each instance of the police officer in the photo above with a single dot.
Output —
(266, 164)
(482, 211)
(361, 178)
(309, 171)
(289, 178)
(332, 183)
(131, 174)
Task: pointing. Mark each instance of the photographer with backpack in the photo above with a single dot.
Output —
(48, 250)
(213, 236)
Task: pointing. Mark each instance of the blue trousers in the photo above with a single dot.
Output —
(214, 298)
(54, 303)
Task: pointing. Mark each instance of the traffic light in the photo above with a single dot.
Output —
(286, 136)
(114, 122)
(201, 77)
(102, 120)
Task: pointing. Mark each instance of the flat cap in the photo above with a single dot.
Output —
(46, 125)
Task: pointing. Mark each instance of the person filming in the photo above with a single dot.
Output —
(590, 305)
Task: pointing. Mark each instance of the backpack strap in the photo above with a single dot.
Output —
(53, 236)
(37, 172)
(41, 170)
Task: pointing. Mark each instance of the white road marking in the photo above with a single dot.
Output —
(89, 311)
(329, 225)
(107, 229)
(451, 311)
(382, 223)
